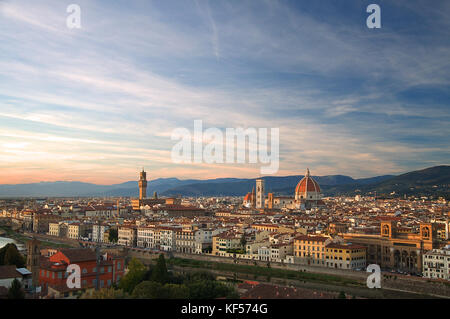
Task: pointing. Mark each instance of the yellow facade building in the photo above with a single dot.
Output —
(345, 256)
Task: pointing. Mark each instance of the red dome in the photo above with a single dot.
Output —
(307, 184)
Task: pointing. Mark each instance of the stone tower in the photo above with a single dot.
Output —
(260, 193)
(143, 185)
(33, 255)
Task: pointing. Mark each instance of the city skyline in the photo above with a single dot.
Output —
(96, 104)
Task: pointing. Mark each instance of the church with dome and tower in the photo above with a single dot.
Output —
(307, 195)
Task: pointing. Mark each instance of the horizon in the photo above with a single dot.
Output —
(199, 179)
(93, 103)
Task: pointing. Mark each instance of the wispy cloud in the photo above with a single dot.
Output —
(99, 102)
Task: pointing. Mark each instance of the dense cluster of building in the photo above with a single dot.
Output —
(401, 235)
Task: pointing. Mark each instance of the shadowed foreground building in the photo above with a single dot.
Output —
(53, 271)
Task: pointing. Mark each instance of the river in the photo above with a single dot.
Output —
(4, 241)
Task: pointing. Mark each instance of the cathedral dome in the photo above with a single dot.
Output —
(307, 188)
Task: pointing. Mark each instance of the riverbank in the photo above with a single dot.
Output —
(6, 231)
(22, 239)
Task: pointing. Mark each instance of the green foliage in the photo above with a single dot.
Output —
(15, 291)
(159, 272)
(105, 293)
(342, 295)
(9, 255)
(235, 251)
(208, 289)
(136, 273)
(200, 285)
(263, 271)
(156, 290)
(113, 235)
(243, 242)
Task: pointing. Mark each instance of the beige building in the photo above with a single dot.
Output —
(224, 242)
(58, 229)
(127, 235)
(78, 230)
(279, 252)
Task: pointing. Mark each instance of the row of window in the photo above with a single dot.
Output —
(84, 271)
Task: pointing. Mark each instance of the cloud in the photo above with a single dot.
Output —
(108, 96)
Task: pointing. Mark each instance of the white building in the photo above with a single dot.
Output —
(98, 232)
(147, 237)
(436, 264)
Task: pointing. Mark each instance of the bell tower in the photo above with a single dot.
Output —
(260, 193)
(33, 255)
(142, 185)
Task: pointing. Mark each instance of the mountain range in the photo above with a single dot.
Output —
(430, 181)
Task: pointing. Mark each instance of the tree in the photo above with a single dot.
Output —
(15, 291)
(11, 256)
(156, 290)
(342, 295)
(147, 290)
(243, 242)
(113, 235)
(105, 293)
(159, 272)
(135, 275)
(208, 289)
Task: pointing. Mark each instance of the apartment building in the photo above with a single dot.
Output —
(127, 235)
(41, 222)
(167, 238)
(345, 256)
(279, 252)
(310, 249)
(98, 232)
(147, 237)
(57, 229)
(436, 263)
(224, 242)
(78, 230)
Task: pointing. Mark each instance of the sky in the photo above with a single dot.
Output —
(98, 103)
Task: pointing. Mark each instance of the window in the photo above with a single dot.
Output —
(84, 270)
(118, 264)
(60, 275)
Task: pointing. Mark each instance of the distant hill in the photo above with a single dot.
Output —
(433, 180)
(278, 185)
(430, 181)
